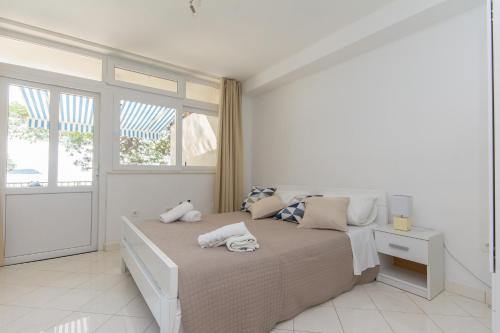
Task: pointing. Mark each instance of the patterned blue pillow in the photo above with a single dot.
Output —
(294, 212)
(255, 195)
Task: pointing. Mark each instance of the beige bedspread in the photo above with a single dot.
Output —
(249, 292)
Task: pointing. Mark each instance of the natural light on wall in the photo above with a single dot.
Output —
(21, 53)
(145, 80)
(202, 92)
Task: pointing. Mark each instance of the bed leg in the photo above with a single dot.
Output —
(124, 268)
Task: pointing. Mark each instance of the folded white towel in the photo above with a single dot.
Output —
(219, 236)
(177, 212)
(191, 216)
(245, 243)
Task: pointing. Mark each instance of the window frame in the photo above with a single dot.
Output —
(56, 46)
(145, 69)
(53, 156)
(145, 98)
(208, 112)
(199, 104)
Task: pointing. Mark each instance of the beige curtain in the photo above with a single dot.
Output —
(229, 173)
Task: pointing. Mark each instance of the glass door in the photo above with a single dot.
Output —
(50, 172)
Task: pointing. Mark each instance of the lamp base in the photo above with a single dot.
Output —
(401, 223)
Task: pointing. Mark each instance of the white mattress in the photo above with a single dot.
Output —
(364, 251)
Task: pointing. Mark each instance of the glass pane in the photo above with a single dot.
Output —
(76, 140)
(21, 53)
(147, 134)
(202, 92)
(199, 139)
(145, 80)
(28, 137)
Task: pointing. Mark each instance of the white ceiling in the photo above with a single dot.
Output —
(233, 38)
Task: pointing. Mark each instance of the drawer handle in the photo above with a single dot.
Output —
(399, 247)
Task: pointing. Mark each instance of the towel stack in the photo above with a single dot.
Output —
(184, 211)
(235, 236)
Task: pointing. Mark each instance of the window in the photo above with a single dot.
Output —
(145, 80)
(199, 139)
(31, 148)
(147, 134)
(76, 140)
(28, 137)
(202, 92)
(27, 54)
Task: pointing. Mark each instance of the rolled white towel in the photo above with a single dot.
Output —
(245, 243)
(191, 216)
(219, 236)
(177, 212)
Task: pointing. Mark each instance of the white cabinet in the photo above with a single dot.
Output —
(411, 260)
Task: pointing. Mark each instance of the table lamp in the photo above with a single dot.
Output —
(401, 206)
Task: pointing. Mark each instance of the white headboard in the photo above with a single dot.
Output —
(382, 214)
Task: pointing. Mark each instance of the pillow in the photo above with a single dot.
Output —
(288, 195)
(266, 207)
(325, 213)
(294, 212)
(362, 210)
(255, 195)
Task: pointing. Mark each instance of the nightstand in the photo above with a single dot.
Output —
(411, 260)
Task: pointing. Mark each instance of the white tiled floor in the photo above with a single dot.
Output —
(87, 293)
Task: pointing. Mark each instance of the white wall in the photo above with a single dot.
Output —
(409, 117)
(150, 194)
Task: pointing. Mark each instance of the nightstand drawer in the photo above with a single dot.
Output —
(402, 247)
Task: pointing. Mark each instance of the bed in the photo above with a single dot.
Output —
(221, 291)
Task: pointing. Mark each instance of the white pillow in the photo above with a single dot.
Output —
(362, 209)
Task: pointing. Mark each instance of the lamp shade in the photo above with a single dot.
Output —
(401, 205)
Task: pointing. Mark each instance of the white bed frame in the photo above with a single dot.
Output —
(156, 275)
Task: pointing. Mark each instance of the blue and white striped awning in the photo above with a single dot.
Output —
(138, 120)
(76, 113)
(37, 101)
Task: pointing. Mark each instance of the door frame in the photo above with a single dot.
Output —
(52, 187)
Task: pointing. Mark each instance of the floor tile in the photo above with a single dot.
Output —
(472, 307)
(285, 325)
(410, 322)
(73, 299)
(107, 303)
(355, 299)
(35, 321)
(361, 321)
(440, 305)
(380, 287)
(485, 321)
(124, 324)
(318, 319)
(136, 308)
(79, 322)
(454, 324)
(9, 293)
(102, 282)
(39, 297)
(390, 301)
(10, 313)
(69, 280)
(154, 328)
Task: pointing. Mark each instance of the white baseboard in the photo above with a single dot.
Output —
(469, 292)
